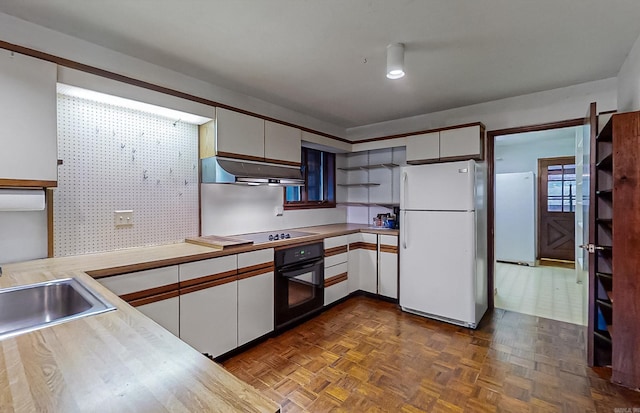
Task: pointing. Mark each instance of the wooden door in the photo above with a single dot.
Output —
(556, 206)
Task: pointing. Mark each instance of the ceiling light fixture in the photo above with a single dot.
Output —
(395, 60)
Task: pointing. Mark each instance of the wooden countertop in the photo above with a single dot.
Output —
(122, 360)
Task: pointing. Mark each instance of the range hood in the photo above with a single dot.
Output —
(218, 170)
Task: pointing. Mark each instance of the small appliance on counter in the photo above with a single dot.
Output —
(385, 221)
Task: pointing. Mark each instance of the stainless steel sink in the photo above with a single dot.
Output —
(34, 306)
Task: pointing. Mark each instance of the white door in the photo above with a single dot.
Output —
(437, 264)
(438, 187)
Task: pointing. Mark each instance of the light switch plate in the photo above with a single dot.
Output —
(123, 218)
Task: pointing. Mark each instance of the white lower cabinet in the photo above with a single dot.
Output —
(137, 288)
(255, 307)
(336, 290)
(255, 295)
(165, 313)
(208, 319)
(209, 305)
(388, 266)
(354, 262)
(368, 263)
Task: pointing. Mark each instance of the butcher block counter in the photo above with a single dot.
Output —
(121, 360)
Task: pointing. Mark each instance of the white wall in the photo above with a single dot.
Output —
(629, 81)
(122, 159)
(549, 106)
(23, 33)
(234, 209)
(523, 156)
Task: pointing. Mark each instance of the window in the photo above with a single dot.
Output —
(561, 188)
(318, 170)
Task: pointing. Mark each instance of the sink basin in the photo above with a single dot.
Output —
(34, 306)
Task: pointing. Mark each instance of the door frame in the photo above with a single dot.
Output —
(491, 187)
(542, 205)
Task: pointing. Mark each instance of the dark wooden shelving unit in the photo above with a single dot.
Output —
(614, 284)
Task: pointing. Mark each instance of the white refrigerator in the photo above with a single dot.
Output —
(443, 232)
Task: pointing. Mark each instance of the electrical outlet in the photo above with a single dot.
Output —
(123, 218)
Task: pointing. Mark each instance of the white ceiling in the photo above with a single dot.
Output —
(326, 58)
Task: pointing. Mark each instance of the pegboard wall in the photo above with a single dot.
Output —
(122, 159)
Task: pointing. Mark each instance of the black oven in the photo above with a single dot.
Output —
(299, 282)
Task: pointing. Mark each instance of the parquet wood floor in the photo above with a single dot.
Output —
(365, 355)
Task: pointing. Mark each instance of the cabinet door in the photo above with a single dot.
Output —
(354, 262)
(388, 266)
(336, 290)
(282, 143)
(239, 134)
(255, 307)
(165, 313)
(28, 107)
(461, 142)
(425, 147)
(209, 319)
(368, 266)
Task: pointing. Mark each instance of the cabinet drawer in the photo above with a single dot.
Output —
(336, 241)
(210, 269)
(248, 261)
(389, 243)
(335, 271)
(142, 280)
(335, 292)
(370, 238)
(336, 259)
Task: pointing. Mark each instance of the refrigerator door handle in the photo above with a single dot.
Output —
(404, 237)
(405, 181)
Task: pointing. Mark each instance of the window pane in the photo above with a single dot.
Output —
(294, 194)
(554, 189)
(554, 204)
(314, 175)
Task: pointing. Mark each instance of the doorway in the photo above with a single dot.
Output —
(556, 210)
(534, 171)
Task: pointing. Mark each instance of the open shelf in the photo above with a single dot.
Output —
(365, 167)
(363, 184)
(606, 162)
(367, 204)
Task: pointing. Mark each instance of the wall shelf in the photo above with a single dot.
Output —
(368, 204)
(363, 184)
(367, 167)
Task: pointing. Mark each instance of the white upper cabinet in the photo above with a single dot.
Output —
(29, 131)
(449, 144)
(239, 134)
(423, 147)
(282, 143)
(465, 142)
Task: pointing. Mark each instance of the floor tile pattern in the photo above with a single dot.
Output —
(543, 291)
(365, 355)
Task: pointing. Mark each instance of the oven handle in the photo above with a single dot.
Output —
(297, 266)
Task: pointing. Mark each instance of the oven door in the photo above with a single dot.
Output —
(299, 291)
